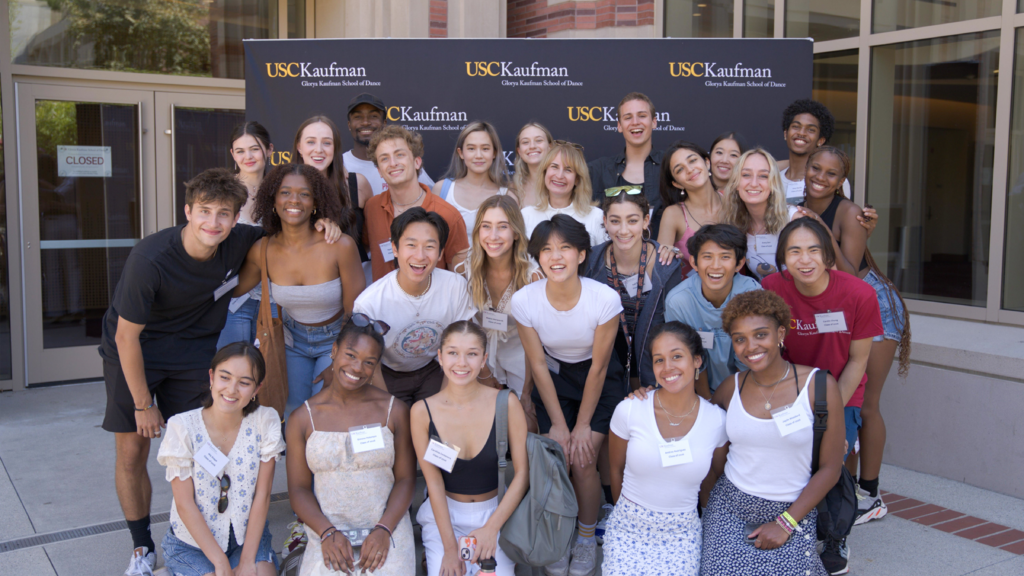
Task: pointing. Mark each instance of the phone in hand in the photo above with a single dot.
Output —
(467, 546)
(748, 529)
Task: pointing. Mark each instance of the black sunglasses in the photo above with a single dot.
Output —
(225, 485)
(362, 320)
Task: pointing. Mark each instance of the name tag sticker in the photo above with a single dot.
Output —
(552, 364)
(830, 322)
(790, 419)
(795, 189)
(385, 249)
(766, 243)
(289, 340)
(226, 287)
(707, 339)
(211, 459)
(495, 321)
(366, 438)
(630, 285)
(441, 455)
(675, 452)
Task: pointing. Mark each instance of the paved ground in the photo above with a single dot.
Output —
(57, 476)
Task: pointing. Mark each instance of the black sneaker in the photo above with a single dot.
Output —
(836, 556)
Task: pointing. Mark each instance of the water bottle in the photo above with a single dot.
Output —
(488, 566)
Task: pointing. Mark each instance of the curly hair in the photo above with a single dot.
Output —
(763, 303)
(326, 202)
(395, 132)
(825, 119)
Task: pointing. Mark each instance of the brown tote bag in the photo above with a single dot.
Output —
(270, 341)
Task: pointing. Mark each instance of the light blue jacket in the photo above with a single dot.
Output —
(687, 304)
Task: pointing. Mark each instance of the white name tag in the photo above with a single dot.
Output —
(707, 339)
(495, 321)
(441, 455)
(289, 340)
(675, 452)
(552, 364)
(790, 419)
(211, 459)
(366, 438)
(226, 287)
(830, 322)
(630, 285)
(236, 303)
(385, 249)
(766, 243)
(795, 189)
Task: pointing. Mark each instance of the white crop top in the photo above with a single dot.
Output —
(762, 462)
(309, 304)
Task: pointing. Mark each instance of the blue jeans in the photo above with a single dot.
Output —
(853, 425)
(307, 357)
(241, 324)
(186, 560)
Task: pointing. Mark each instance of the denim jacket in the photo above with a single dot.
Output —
(663, 279)
(605, 172)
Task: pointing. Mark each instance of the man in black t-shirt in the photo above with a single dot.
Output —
(160, 332)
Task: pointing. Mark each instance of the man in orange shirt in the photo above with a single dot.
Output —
(398, 155)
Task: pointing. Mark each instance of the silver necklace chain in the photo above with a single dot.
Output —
(768, 399)
(671, 415)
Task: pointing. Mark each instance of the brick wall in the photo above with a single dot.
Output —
(438, 18)
(536, 18)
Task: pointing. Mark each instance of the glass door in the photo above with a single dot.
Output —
(88, 196)
(194, 134)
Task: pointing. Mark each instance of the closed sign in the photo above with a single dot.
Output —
(89, 161)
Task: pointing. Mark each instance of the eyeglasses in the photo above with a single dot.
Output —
(632, 190)
(225, 485)
(569, 144)
(362, 320)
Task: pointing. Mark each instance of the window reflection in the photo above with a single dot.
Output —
(758, 18)
(1013, 257)
(822, 19)
(698, 18)
(902, 14)
(186, 37)
(930, 148)
(835, 86)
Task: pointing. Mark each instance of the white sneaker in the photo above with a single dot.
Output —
(141, 563)
(296, 537)
(606, 511)
(584, 558)
(560, 568)
(868, 507)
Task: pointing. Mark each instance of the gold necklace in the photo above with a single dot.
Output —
(768, 400)
(671, 415)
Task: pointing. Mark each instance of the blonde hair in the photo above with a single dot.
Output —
(498, 172)
(572, 157)
(478, 257)
(522, 169)
(734, 211)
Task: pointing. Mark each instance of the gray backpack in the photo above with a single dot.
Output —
(541, 529)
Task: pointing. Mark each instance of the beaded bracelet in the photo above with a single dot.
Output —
(785, 525)
(388, 530)
(326, 530)
(793, 523)
(152, 403)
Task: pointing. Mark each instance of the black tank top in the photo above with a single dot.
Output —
(476, 476)
(829, 217)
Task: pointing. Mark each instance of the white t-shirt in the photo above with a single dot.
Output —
(795, 188)
(367, 169)
(761, 251)
(567, 336)
(416, 323)
(593, 221)
(648, 483)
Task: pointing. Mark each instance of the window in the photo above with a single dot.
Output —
(901, 14)
(183, 37)
(759, 18)
(827, 20)
(698, 18)
(6, 372)
(1013, 256)
(835, 86)
(930, 149)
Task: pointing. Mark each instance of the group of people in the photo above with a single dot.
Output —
(626, 302)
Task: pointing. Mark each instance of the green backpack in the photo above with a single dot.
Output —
(541, 529)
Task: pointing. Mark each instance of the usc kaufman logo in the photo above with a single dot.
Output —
(610, 116)
(713, 70)
(307, 70)
(432, 119)
(508, 70)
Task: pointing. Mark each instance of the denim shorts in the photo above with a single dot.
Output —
(853, 425)
(891, 307)
(186, 560)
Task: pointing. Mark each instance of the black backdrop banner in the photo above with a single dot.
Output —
(700, 87)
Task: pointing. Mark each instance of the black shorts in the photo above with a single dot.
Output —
(176, 391)
(410, 387)
(569, 382)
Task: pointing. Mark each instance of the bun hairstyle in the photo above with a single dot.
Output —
(464, 327)
(683, 332)
(256, 362)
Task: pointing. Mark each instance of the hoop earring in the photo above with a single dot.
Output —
(648, 231)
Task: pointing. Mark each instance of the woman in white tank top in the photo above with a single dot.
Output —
(476, 173)
(313, 282)
(767, 481)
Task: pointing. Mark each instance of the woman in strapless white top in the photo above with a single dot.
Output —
(312, 282)
(476, 173)
(363, 482)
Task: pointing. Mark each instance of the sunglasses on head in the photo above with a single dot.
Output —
(632, 190)
(362, 320)
(225, 485)
(569, 144)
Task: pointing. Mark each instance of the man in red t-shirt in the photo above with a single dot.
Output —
(834, 314)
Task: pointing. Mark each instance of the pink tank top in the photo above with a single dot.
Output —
(681, 244)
